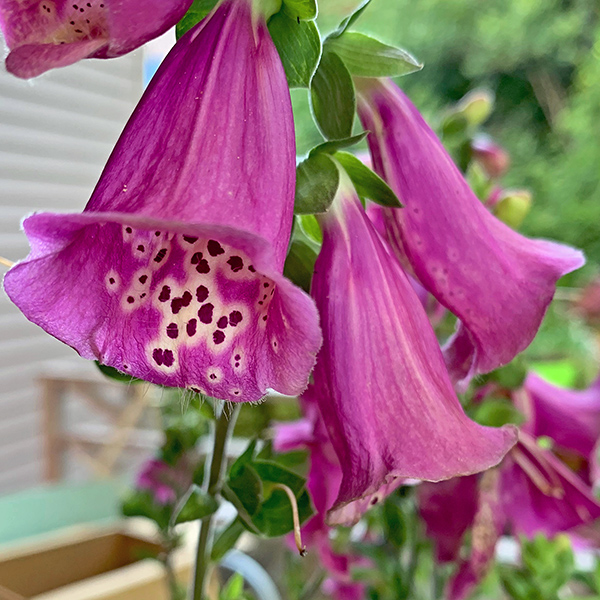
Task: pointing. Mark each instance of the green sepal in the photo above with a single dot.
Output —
(348, 21)
(196, 12)
(365, 56)
(317, 181)
(367, 183)
(140, 503)
(226, 540)
(333, 98)
(299, 47)
(334, 146)
(116, 375)
(198, 506)
(305, 10)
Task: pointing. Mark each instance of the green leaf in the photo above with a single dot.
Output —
(140, 503)
(301, 9)
(197, 11)
(333, 98)
(311, 228)
(198, 506)
(348, 21)
(367, 183)
(366, 56)
(300, 264)
(317, 181)
(335, 145)
(233, 589)
(495, 412)
(270, 471)
(247, 487)
(226, 540)
(113, 373)
(394, 523)
(299, 47)
(275, 515)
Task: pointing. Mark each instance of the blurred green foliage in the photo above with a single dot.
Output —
(541, 59)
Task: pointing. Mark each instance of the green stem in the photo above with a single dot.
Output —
(222, 433)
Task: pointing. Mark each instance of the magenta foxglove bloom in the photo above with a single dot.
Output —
(43, 34)
(447, 509)
(165, 482)
(497, 282)
(491, 156)
(173, 272)
(382, 387)
(570, 417)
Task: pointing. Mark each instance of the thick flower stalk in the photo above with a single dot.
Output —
(380, 381)
(44, 34)
(497, 282)
(173, 272)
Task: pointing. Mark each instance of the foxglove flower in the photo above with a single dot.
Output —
(173, 272)
(166, 483)
(570, 417)
(43, 34)
(383, 390)
(497, 282)
(491, 156)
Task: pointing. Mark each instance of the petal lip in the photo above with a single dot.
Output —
(384, 393)
(497, 282)
(57, 33)
(51, 235)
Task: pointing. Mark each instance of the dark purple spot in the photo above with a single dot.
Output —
(196, 258)
(160, 255)
(265, 318)
(191, 327)
(189, 239)
(128, 229)
(235, 317)
(203, 267)
(237, 357)
(165, 293)
(125, 366)
(272, 291)
(265, 297)
(156, 233)
(205, 313)
(73, 23)
(195, 390)
(173, 331)
(143, 295)
(251, 269)
(130, 299)
(79, 30)
(212, 376)
(201, 293)
(111, 280)
(218, 337)
(141, 248)
(222, 323)
(143, 278)
(261, 302)
(236, 392)
(157, 355)
(176, 305)
(214, 248)
(236, 263)
(186, 298)
(237, 364)
(374, 501)
(168, 358)
(266, 284)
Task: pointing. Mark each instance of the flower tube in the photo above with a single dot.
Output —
(497, 282)
(383, 390)
(173, 272)
(44, 34)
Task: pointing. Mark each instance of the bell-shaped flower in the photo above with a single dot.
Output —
(447, 509)
(173, 272)
(43, 34)
(165, 482)
(494, 159)
(497, 282)
(541, 494)
(570, 417)
(383, 390)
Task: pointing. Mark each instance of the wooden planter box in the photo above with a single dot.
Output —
(87, 565)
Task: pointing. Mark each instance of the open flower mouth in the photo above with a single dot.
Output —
(200, 301)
